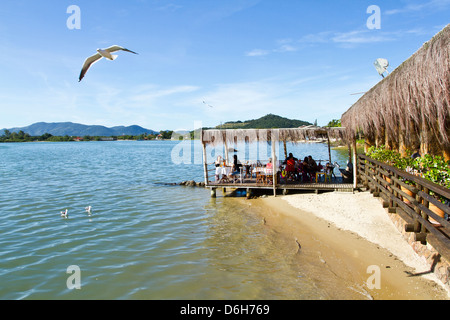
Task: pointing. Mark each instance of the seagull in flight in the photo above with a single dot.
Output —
(207, 104)
(101, 53)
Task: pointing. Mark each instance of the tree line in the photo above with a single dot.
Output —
(21, 136)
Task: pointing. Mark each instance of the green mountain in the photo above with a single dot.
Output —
(76, 129)
(266, 122)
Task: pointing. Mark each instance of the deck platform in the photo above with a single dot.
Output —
(336, 185)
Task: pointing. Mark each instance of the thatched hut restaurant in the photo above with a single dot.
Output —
(252, 175)
(406, 111)
(410, 108)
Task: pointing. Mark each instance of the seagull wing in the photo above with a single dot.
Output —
(87, 64)
(117, 48)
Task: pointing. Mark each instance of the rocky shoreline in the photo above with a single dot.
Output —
(191, 183)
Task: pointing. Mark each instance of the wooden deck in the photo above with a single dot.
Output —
(334, 185)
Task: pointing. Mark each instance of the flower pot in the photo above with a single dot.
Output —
(389, 180)
(436, 210)
(408, 192)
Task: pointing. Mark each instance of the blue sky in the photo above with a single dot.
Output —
(245, 58)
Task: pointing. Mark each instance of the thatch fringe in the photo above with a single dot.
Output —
(216, 137)
(413, 102)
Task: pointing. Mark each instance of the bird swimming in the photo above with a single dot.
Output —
(88, 210)
(101, 53)
(65, 213)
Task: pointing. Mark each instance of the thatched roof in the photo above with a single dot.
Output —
(215, 136)
(413, 98)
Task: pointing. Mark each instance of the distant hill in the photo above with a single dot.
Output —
(266, 122)
(76, 129)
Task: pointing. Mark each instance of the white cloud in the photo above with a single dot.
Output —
(286, 48)
(150, 93)
(432, 5)
(356, 37)
(348, 39)
(257, 53)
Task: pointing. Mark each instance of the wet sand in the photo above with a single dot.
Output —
(353, 240)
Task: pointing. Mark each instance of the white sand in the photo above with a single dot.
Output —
(364, 215)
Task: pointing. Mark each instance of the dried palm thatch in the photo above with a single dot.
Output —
(412, 104)
(216, 137)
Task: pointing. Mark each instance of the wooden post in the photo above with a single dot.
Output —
(205, 164)
(226, 151)
(274, 166)
(355, 167)
(424, 139)
(329, 149)
(446, 153)
(401, 142)
(368, 142)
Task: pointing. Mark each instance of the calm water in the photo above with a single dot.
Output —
(144, 239)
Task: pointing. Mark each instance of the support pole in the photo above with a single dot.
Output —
(355, 166)
(205, 164)
(329, 148)
(274, 166)
(226, 152)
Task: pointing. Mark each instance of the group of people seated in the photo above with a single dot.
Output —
(235, 168)
(305, 170)
(294, 169)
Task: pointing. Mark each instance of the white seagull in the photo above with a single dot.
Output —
(65, 214)
(101, 53)
(88, 209)
(207, 104)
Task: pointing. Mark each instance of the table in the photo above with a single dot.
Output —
(324, 174)
(223, 173)
(262, 174)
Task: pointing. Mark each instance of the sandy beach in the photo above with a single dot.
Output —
(352, 237)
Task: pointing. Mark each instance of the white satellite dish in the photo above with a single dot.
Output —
(381, 66)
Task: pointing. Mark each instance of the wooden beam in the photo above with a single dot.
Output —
(329, 148)
(355, 167)
(274, 167)
(205, 164)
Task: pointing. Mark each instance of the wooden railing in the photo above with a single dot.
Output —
(413, 198)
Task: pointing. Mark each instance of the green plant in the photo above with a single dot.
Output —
(435, 169)
(432, 168)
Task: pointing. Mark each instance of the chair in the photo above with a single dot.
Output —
(260, 176)
(319, 174)
(269, 176)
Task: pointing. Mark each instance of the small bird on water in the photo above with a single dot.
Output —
(65, 214)
(88, 210)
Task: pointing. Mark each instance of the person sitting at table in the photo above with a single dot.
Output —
(299, 169)
(347, 173)
(269, 165)
(290, 166)
(305, 170)
(235, 170)
(218, 163)
(329, 169)
(312, 165)
(320, 166)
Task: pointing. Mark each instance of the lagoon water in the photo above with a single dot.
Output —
(145, 239)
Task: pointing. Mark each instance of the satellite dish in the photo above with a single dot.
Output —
(381, 66)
